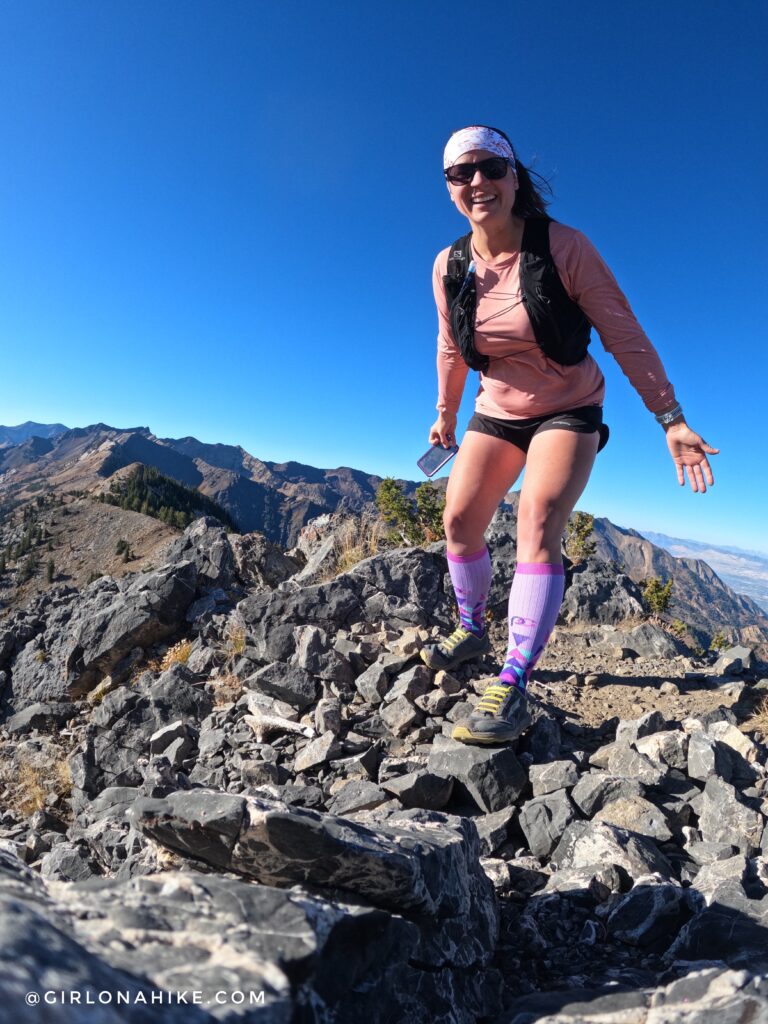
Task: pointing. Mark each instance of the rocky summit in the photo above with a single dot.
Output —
(230, 793)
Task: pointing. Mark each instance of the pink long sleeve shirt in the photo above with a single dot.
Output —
(520, 380)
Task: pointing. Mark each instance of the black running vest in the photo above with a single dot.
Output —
(561, 328)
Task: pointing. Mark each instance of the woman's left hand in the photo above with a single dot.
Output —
(689, 453)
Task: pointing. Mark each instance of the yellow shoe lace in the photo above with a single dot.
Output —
(457, 636)
(493, 698)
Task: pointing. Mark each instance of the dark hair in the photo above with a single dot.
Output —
(530, 199)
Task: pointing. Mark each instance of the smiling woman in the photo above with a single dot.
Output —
(517, 298)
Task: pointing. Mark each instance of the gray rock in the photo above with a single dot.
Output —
(493, 829)
(709, 757)
(726, 818)
(317, 751)
(413, 683)
(42, 716)
(67, 862)
(421, 788)
(595, 790)
(649, 916)
(546, 778)
(586, 843)
(599, 593)
(734, 661)
(712, 996)
(601, 881)
(286, 682)
(400, 717)
(731, 929)
(638, 815)
(428, 873)
(627, 732)
(179, 730)
(357, 796)
(373, 683)
(712, 876)
(625, 760)
(544, 819)
(491, 777)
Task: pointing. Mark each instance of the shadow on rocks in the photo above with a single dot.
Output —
(652, 952)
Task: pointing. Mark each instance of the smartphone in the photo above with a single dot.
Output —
(436, 458)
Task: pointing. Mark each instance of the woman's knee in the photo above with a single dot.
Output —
(462, 527)
(539, 524)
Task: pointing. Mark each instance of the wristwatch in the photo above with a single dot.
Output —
(670, 415)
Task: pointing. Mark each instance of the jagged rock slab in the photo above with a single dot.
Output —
(428, 872)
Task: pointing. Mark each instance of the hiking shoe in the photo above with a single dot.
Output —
(502, 715)
(460, 646)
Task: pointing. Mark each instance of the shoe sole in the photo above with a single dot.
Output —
(452, 664)
(465, 735)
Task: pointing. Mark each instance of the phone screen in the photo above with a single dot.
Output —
(435, 458)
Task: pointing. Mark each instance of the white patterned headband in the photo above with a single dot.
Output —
(476, 137)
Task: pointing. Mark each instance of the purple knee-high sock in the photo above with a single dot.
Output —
(471, 578)
(534, 602)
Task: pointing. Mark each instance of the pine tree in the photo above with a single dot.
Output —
(656, 595)
(578, 533)
(430, 505)
(399, 512)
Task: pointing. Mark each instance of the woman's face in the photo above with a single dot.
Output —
(481, 200)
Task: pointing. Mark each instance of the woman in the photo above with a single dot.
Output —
(539, 405)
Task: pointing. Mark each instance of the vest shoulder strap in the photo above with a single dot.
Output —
(536, 237)
(459, 258)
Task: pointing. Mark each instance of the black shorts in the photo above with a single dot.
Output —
(584, 420)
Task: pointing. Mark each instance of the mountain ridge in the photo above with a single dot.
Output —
(279, 499)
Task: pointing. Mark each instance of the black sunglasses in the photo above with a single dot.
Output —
(493, 168)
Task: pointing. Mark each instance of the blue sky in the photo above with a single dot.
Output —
(220, 218)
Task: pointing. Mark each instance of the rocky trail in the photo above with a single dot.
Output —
(229, 793)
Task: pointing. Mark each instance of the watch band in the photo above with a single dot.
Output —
(666, 417)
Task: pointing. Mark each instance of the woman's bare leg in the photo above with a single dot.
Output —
(556, 473)
(484, 470)
(559, 464)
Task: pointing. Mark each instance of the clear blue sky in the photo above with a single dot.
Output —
(219, 219)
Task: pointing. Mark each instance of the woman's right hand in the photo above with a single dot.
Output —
(443, 431)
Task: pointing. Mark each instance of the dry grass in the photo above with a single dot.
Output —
(236, 639)
(32, 782)
(227, 689)
(758, 720)
(176, 655)
(358, 539)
